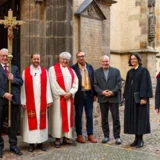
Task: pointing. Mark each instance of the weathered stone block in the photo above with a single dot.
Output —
(143, 45)
(49, 13)
(144, 30)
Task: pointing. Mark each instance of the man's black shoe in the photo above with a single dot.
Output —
(42, 147)
(118, 141)
(31, 148)
(15, 150)
(105, 140)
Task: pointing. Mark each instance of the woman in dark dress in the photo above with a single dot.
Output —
(138, 90)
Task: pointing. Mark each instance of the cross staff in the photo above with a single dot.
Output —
(11, 23)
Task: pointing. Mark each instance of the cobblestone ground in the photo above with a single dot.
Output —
(99, 151)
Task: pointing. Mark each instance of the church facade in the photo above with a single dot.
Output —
(135, 27)
(53, 26)
(97, 27)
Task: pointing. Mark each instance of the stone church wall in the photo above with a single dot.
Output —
(48, 30)
(134, 24)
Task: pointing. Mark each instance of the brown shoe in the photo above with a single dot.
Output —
(80, 139)
(92, 139)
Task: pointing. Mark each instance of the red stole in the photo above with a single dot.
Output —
(63, 102)
(30, 100)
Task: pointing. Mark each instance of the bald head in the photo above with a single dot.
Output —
(105, 61)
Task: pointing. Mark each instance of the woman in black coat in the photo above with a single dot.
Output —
(138, 90)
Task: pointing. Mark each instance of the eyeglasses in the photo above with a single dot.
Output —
(81, 56)
(4, 56)
(64, 59)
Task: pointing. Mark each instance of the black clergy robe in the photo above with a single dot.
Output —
(136, 116)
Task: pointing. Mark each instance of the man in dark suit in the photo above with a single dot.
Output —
(107, 83)
(14, 97)
(84, 97)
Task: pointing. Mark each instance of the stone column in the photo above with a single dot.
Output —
(33, 31)
(48, 30)
(62, 16)
(158, 24)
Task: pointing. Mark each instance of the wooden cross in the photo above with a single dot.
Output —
(11, 23)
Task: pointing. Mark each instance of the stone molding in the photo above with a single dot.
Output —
(92, 9)
(132, 51)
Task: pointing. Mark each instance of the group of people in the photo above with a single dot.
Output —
(69, 90)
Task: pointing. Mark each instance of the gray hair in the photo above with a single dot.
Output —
(4, 50)
(66, 55)
(105, 56)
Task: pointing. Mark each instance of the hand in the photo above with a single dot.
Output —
(143, 101)
(104, 92)
(158, 111)
(49, 104)
(109, 93)
(10, 76)
(8, 96)
(23, 106)
(94, 98)
(67, 95)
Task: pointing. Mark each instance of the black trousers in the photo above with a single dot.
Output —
(114, 108)
(12, 131)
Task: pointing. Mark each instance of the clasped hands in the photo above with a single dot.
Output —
(107, 93)
(67, 95)
(143, 101)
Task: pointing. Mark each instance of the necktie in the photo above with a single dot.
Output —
(6, 69)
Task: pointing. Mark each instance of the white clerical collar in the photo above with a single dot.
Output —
(136, 67)
(37, 68)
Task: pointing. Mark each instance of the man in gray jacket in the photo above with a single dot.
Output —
(107, 84)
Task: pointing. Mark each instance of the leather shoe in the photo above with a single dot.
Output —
(105, 140)
(31, 148)
(41, 146)
(80, 139)
(92, 139)
(140, 144)
(1, 153)
(69, 141)
(134, 143)
(15, 150)
(118, 141)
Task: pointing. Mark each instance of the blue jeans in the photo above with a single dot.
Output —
(86, 103)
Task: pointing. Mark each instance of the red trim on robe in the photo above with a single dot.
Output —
(30, 100)
(63, 102)
(158, 75)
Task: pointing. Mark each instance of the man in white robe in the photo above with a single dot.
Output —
(35, 98)
(64, 85)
